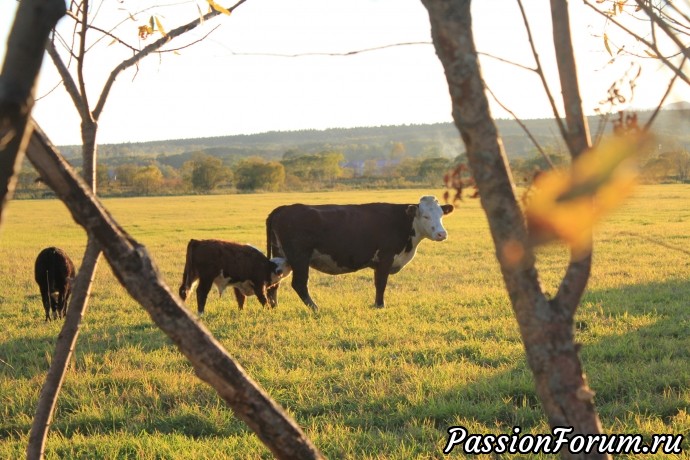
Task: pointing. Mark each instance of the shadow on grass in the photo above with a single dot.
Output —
(636, 371)
(636, 355)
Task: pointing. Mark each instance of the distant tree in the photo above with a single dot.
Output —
(679, 160)
(125, 173)
(258, 174)
(147, 179)
(432, 169)
(314, 167)
(656, 169)
(408, 168)
(398, 151)
(102, 176)
(432, 151)
(205, 172)
(292, 153)
(371, 168)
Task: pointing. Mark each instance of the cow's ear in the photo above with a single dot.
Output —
(447, 208)
(412, 210)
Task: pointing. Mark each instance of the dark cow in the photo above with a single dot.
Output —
(337, 239)
(54, 272)
(224, 264)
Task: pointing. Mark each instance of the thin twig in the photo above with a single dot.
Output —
(524, 128)
(650, 45)
(661, 102)
(148, 50)
(540, 71)
(347, 53)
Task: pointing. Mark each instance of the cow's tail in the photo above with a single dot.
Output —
(188, 276)
(269, 232)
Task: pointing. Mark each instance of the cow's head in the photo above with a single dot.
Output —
(427, 217)
(279, 269)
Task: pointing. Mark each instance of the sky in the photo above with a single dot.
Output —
(238, 81)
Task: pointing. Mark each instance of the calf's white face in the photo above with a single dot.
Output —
(282, 270)
(427, 220)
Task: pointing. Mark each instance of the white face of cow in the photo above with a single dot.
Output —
(427, 218)
(282, 270)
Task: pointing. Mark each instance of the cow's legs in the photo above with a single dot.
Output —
(61, 305)
(202, 294)
(260, 291)
(300, 279)
(45, 297)
(380, 280)
(240, 298)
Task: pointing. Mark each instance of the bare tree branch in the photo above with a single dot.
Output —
(148, 50)
(134, 268)
(577, 274)
(64, 348)
(33, 21)
(68, 81)
(540, 71)
(662, 100)
(652, 46)
(524, 128)
(346, 53)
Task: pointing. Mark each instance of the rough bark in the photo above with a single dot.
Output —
(29, 34)
(64, 348)
(546, 327)
(136, 271)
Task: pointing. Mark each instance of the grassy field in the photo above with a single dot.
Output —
(364, 383)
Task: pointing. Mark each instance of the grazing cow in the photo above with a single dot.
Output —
(54, 272)
(246, 269)
(337, 239)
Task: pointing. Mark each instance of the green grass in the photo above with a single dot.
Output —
(364, 383)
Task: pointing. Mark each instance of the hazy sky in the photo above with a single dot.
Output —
(227, 84)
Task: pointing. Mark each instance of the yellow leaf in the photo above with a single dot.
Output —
(651, 54)
(217, 7)
(160, 26)
(565, 205)
(145, 31)
(201, 15)
(606, 44)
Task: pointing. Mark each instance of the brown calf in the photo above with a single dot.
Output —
(224, 264)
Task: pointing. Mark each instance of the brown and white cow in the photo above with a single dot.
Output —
(223, 263)
(337, 239)
(54, 272)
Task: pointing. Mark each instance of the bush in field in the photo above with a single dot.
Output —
(255, 174)
(205, 172)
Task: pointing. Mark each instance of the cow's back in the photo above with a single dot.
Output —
(53, 267)
(233, 260)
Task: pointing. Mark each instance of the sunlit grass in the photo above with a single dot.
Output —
(362, 382)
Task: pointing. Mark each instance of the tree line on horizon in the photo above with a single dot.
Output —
(298, 170)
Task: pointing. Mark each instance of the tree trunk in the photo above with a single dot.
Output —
(546, 327)
(89, 151)
(34, 21)
(64, 348)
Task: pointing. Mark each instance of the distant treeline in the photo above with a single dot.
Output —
(390, 156)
